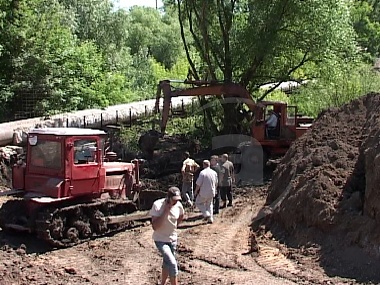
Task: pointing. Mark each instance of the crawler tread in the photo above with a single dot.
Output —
(72, 224)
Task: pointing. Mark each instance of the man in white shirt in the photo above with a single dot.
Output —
(167, 213)
(271, 123)
(205, 191)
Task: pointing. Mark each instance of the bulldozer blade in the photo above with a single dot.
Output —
(11, 192)
(127, 218)
(16, 227)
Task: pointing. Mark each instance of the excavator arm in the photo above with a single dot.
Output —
(199, 88)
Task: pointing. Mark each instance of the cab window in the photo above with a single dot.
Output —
(85, 151)
(46, 154)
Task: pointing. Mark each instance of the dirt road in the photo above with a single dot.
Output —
(215, 253)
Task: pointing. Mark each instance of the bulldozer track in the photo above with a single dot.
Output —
(71, 225)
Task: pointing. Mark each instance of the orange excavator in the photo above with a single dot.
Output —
(264, 142)
(290, 124)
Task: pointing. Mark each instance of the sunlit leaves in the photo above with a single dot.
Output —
(260, 41)
(148, 29)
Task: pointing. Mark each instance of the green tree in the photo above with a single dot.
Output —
(11, 39)
(366, 22)
(46, 69)
(91, 20)
(53, 70)
(157, 33)
(257, 41)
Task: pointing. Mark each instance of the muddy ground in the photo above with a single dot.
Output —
(219, 253)
(301, 240)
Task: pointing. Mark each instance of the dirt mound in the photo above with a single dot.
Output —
(328, 182)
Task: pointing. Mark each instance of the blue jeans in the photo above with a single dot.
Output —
(167, 250)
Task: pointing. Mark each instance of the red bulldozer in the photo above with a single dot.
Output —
(67, 192)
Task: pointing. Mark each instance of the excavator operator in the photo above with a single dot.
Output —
(271, 124)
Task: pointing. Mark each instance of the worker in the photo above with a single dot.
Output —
(205, 191)
(189, 167)
(228, 178)
(167, 213)
(271, 124)
(214, 161)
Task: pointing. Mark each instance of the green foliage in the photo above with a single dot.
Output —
(64, 55)
(76, 54)
(192, 128)
(335, 89)
(178, 71)
(91, 20)
(366, 22)
(129, 137)
(276, 95)
(257, 41)
(148, 29)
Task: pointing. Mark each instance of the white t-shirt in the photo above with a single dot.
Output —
(168, 230)
(207, 181)
(272, 121)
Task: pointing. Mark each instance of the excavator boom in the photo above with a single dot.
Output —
(199, 88)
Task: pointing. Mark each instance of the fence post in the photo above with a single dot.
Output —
(67, 122)
(84, 121)
(117, 117)
(130, 117)
(146, 111)
(182, 106)
(101, 120)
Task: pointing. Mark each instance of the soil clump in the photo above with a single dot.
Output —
(324, 199)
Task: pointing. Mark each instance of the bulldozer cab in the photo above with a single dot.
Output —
(62, 162)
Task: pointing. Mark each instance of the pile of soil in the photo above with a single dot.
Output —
(162, 169)
(325, 190)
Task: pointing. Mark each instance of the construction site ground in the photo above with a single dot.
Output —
(319, 220)
(218, 253)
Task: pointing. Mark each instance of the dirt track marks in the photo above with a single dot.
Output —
(126, 258)
(217, 253)
(214, 254)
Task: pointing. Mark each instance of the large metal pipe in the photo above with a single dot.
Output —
(92, 118)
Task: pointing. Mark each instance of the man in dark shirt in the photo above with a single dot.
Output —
(227, 178)
(214, 160)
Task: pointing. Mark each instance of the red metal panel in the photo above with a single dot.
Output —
(18, 176)
(85, 177)
(118, 166)
(44, 185)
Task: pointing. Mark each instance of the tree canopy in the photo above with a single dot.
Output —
(63, 55)
(256, 41)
